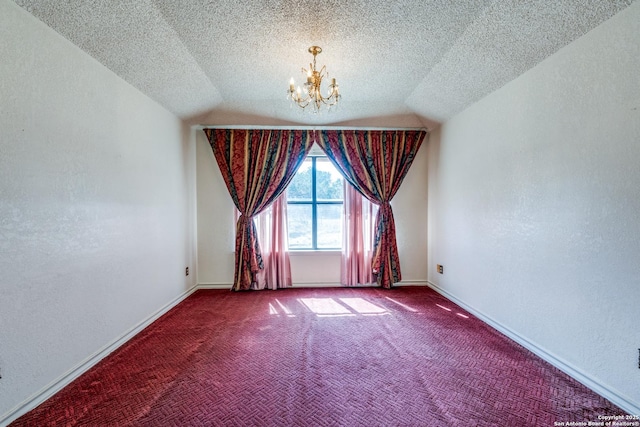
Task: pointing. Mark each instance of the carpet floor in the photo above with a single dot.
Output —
(320, 357)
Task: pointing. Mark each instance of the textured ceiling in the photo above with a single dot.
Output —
(420, 58)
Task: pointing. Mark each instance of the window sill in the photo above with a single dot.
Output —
(301, 252)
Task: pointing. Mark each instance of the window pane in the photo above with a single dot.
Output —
(329, 226)
(328, 180)
(300, 186)
(300, 227)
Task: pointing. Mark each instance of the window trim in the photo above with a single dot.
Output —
(314, 202)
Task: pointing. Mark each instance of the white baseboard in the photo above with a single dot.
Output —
(59, 383)
(295, 285)
(214, 286)
(566, 367)
(412, 283)
(316, 285)
(372, 285)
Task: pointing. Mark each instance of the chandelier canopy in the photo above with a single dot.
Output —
(310, 94)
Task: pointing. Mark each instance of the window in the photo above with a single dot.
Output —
(314, 206)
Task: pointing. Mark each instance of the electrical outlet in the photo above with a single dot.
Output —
(186, 271)
(440, 269)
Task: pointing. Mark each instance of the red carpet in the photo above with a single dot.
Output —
(325, 357)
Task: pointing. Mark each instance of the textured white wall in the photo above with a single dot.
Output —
(96, 223)
(216, 229)
(534, 195)
(410, 214)
(216, 225)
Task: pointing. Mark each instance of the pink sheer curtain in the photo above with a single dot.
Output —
(358, 234)
(272, 234)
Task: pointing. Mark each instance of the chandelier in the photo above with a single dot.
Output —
(310, 93)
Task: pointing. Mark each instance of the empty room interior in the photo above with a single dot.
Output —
(517, 204)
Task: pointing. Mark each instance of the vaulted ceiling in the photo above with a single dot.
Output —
(429, 59)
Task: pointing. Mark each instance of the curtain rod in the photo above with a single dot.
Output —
(310, 127)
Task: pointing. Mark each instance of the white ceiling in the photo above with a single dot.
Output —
(429, 59)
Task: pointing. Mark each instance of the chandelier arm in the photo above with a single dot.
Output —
(325, 101)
